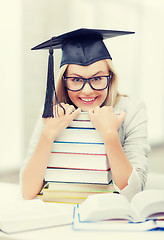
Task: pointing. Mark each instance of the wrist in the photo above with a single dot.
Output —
(110, 136)
(48, 135)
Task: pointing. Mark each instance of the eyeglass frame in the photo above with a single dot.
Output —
(87, 80)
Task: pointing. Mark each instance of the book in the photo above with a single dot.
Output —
(72, 193)
(84, 161)
(78, 157)
(80, 130)
(24, 215)
(82, 121)
(115, 225)
(77, 134)
(148, 204)
(61, 199)
(81, 187)
(77, 176)
(78, 147)
(69, 194)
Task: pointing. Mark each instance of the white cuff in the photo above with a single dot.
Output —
(134, 185)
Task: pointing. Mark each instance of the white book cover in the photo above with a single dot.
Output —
(89, 135)
(79, 161)
(78, 147)
(77, 176)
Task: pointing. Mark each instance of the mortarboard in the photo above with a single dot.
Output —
(82, 47)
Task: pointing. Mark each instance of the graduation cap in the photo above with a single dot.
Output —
(81, 47)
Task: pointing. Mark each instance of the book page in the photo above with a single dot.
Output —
(105, 206)
(32, 214)
(111, 225)
(147, 203)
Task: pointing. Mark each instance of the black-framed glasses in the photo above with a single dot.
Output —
(97, 83)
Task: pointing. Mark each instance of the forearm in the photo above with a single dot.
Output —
(33, 173)
(120, 166)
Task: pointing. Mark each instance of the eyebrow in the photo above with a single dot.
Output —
(91, 76)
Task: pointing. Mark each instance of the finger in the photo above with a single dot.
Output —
(65, 105)
(62, 104)
(70, 109)
(94, 110)
(75, 113)
(122, 115)
(117, 113)
(58, 110)
(91, 110)
(91, 114)
(111, 109)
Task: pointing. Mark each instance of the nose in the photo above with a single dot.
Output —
(87, 89)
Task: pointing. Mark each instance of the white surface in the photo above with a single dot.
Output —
(155, 181)
(11, 102)
(12, 192)
(66, 233)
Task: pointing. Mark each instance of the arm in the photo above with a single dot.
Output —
(107, 123)
(133, 141)
(134, 138)
(32, 175)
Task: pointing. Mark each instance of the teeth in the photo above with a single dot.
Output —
(88, 99)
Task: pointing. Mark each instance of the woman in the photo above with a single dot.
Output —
(88, 83)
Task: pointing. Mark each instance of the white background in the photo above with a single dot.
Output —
(138, 59)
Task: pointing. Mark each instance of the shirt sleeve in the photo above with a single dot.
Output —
(32, 145)
(134, 141)
(134, 186)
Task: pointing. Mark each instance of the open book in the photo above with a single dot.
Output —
(144, 205)
(115, 212)
(23, 215)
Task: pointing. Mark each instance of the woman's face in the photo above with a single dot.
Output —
(88, 98)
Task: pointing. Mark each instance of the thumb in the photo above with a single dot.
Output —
(91, 114)
(122, 116)
(75, 113)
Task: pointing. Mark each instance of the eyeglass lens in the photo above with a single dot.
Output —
(75, 84)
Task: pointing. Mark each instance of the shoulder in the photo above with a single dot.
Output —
(129, 104)
(135, 110)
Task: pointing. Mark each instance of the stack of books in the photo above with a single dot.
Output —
(78, 163)
(74, 193)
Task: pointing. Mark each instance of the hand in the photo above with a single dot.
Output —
(105, 120)
(54, 126)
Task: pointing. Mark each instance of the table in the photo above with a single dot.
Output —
(66, 232)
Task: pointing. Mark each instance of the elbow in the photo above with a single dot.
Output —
(29, 190)
(27, 196)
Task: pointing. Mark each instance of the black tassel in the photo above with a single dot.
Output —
(48, 105)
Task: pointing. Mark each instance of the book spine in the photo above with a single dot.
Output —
(82, 135)
(81, 123)
(77, 176)
(79, 161)
(78, 147)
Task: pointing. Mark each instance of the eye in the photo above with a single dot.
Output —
(76, 80)
(96, 79)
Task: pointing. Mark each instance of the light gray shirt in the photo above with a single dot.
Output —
(133, 138)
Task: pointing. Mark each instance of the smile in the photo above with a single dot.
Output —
(88, 100)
